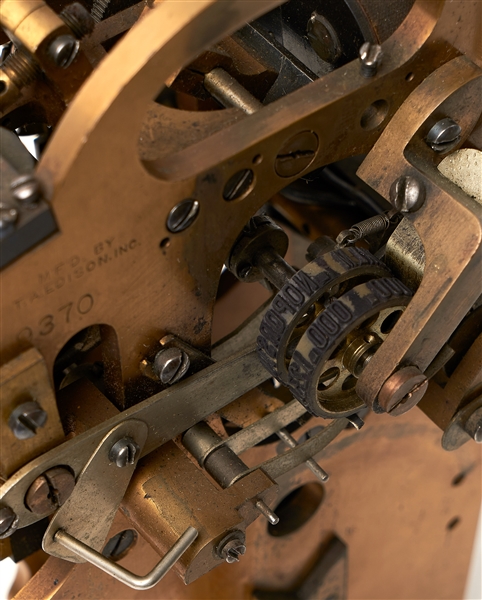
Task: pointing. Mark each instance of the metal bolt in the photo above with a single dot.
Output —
(444, 135)
(402, 390)
(170, 365)
(124, 452)
(296, 154)
(473, 425)
(407, 194)
(238, 185)
(8, 522)
(323, 38)
(25, 189)
(231, 547)
(183, 215)
(8, 216)
(63, 50)
(371, 56)
(26, 418)
(49, 491)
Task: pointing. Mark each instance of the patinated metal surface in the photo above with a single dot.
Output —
(115, 167)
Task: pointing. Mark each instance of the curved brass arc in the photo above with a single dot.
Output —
(131, 76)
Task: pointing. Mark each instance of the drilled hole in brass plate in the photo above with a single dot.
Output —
(328, 378)
(349, 383)
(390, 322)
(258, 159)
(458, 479)
(165, 243)
(409, 76)
(374, 115)
(297, 508)
(452, 524)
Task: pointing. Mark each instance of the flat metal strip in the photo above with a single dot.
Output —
(167, 415)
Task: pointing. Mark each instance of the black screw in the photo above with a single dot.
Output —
(183, 215)
(63, 50)
(444, 135)
(8, 522)
(407, 194)
(119, 544)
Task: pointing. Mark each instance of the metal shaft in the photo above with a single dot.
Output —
(229, 92)
(274, 267)
(311, 463)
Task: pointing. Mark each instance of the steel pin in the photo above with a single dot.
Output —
(290, 441)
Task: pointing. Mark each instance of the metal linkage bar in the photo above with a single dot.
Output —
(168, 414)
(278, 465)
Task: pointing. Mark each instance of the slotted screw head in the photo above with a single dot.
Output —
(124, 452)
(8, 522)
(235, 551)
(170, 365)
(402, 390)
(444, 135)
(25, 189)
(50, 490)
(183, 215)
(63, 50)
(232, 546)
(26, 418)
(370, 59)
(8, 216)
(407, 194)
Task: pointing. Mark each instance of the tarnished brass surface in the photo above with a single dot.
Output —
(118, 163)
(397, 503)
(449, 223)
(75, 171)
(161, 496)
(23, 379)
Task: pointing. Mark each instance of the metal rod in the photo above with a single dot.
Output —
(229, 92)
(274, 267)
(311, 463)
(266, 511)
(137, 582)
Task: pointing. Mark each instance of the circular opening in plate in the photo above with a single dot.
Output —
(297, 508)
